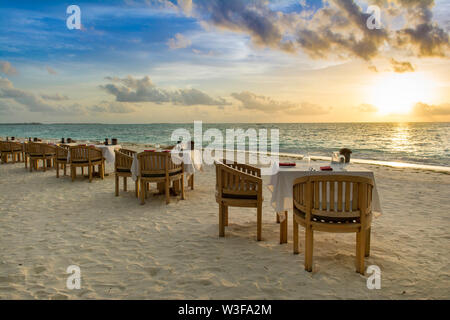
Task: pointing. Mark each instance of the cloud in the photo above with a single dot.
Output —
(365, 107)
(401, 67)
(35, 103)
(426, 110)
(7, 68)
(51, 70)
(143, 90)
(111, 107)
(337, 29)
(252, 101)
(54, 97)
(179, 42)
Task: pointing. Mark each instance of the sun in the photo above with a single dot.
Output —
(397, 93)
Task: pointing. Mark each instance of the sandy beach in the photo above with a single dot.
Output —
(129, 251)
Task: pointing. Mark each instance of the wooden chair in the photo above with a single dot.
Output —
(238, 185)
(5, 149)
(122, 165)
(16, 151)
(333, 203)
(61, 159)
(40, 151)
(84, 156)
(159, 167)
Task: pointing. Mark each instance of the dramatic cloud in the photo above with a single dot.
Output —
(426, 110)
(338, 29)
(179, 42)
(401, 67)
(143, 90)
(253, 101)
(7, 68)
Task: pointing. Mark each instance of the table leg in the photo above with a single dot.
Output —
(283, 226)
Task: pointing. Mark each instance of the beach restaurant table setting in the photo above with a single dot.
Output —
(282, 182)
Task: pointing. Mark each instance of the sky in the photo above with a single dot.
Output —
(161, 61)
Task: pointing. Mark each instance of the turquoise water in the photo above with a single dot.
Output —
(417, 143)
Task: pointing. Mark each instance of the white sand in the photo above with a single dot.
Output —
(129, 251)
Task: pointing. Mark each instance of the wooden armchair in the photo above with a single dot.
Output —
(238, 185)
(61, 159)
(17, 151)
(122, 165)
(5, 150)
(159, 167)
(40, 151)
(333, 203)
(84, 156)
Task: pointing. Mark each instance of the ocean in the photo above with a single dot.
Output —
(414, 143)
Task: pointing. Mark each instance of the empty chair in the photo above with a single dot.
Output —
(333, 203)
(40, 151)
(16, 151)
(5, 150)
(84, 156)
(61, 159)
(238, 185)
(122, 165)
(159, 167)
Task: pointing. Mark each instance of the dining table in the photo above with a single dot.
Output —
(282, 181)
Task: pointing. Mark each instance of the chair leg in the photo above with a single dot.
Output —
(182, 187)
(309, 241)
(225, 216)
(283, 228)
(90, 173)
(167, 191)
(278, 217)
(57, 171)
(25, 159)
(125, 184)
(65, 171)
(360, 251)
(368, 232)
(221, 221)
(295, 234)
(117, 185)
(44, 164)
(82, 171)
(137, 187)
(192, 181)
(259, 222)
(143, 191)
(73, 172)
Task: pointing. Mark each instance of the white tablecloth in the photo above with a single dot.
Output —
(191, 161)
(282, 182)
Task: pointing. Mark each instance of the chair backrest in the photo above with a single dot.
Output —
(128, 152)
(124, 159)
(5, 146)
(85, 154)
(158, 163)
(61, 153)
(16, 146)
(237, 179)
(34, 148)
(337, 197)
